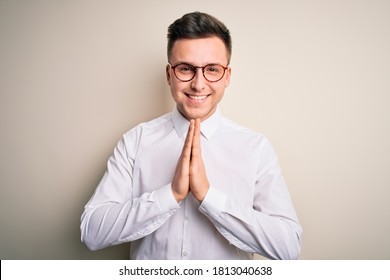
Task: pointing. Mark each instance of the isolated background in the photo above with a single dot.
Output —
(313, 76)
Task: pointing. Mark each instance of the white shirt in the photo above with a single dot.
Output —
(246, 210)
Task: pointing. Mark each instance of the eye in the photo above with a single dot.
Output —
(213, 69)
(185, 68)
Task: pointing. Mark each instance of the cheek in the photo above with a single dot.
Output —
(220, 89)
(178, 86)
(175, 90)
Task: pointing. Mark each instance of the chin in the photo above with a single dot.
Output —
(192, 113)
(199, 115)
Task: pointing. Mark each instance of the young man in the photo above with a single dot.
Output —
(191, 184)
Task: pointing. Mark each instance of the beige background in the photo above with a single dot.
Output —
(314, 76)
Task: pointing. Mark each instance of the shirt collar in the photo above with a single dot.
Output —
(207, 127)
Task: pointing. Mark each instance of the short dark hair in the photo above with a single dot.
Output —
(198, 25)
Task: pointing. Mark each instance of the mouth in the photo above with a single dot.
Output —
(197, 97)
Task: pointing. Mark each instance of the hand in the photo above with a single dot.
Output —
(199, 184)
(190, 173)
(181, 178)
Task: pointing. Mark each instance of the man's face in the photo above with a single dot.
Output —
(198, 98)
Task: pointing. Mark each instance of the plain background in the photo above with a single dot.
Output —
(313, 76)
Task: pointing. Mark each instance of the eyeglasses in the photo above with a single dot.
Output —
(186, 72)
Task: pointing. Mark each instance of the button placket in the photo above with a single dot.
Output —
(186, 231)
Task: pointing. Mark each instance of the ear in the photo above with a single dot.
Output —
(168, 74)
(228, 74)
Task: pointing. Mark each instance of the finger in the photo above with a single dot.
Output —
(186, 152)
(196, 149)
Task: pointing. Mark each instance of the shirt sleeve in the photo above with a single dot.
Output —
(113, 215)
(270, 226)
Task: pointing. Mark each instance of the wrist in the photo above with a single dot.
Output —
(179, 196)
(201, 194)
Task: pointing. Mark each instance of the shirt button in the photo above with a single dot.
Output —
(185, 253)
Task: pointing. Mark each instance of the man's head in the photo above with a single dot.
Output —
(199, 50)
(198, 25)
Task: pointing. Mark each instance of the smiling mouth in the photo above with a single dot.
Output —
(197, 97)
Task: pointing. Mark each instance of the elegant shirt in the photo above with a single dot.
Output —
(247, 208)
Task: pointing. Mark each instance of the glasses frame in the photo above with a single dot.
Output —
(196, 69)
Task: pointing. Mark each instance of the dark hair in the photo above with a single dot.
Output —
(198, 25)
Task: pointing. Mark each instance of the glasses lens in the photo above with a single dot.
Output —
(214, 72)
(185, 72)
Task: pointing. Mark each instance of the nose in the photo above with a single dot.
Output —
(198, 83)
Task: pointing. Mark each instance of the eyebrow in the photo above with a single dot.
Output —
(185, 62)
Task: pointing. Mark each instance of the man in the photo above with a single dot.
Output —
(192, 184)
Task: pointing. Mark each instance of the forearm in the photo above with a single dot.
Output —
(272, 236)
(107, 224)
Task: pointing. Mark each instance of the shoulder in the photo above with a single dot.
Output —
(229, 126)
(250, 142)
(147, 130)
(251, 138)
(152, 125)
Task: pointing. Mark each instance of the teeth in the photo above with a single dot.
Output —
(198, 97)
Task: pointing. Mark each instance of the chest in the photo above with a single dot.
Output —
(229, 167)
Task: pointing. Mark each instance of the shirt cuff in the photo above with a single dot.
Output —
(214, 202)
(165, 199)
